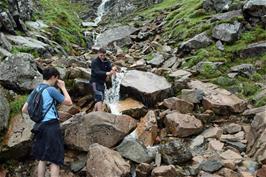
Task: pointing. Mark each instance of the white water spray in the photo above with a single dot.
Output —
(112, 95)
(101, 11)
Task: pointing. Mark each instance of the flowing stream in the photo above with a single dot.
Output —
(112, 95)
(101, 11)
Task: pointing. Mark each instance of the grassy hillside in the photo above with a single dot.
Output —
(187, 18)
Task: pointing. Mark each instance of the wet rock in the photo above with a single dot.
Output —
(182, 125)
(217, 99)
(232, 128)
(157, 60)
(254, 49)
(144, 170)
(257, 137)
(217, 5)
(211, 165)
(81, 87)
(197, 42)
(105, 162)
(164, 171)
(145, 86)
(175, 152)
(192, 95)
(114, 35)
(16, 141)
(130, 107)
(96, 127)
(19, 73)
(179, 105)
(226, 32)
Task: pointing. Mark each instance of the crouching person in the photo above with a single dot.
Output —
(48, 144)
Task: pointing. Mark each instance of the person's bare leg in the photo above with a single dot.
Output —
(99, 106)
(54, 170)
(41, 168)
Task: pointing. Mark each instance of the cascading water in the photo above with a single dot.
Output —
(101, 11)
(112, 95)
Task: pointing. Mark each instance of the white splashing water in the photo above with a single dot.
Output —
(101, 11)
(112, 95)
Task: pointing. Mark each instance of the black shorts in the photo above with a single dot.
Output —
(48, 143)
(98, 90)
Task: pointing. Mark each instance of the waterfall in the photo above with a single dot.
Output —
(112, 95)
(100, 13)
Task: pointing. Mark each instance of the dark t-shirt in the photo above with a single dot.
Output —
(99, 69)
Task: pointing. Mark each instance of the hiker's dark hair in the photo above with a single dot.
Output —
(49, 72)
(101, 50)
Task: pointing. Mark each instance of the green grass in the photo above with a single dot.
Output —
(64, 23)
(23, 49)
(16, 105)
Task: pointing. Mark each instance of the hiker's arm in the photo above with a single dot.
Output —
(67, 100)
(25, 108)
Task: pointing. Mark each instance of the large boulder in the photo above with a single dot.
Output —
(197, 42)
(145, 86)
(217, 99)
(104, 162)
(226, 32)
(114, 35)
(4, 112)
(257, 138)
(19, 73)
(96, 127)
(183, 125)
(4, 43)
(216, 5)
(253, 50)
(255, 8)
(28, 42)
(16, 141)
(164, 171)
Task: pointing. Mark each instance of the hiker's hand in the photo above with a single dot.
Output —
(114, 68)
(60, 84)
(110, 73)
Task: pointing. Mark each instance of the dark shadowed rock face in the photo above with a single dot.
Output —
(175, 152)
(4, 112)
(145, 86)
(216, 5)
(255, 8)
(19, 73)
(254, 49)
(97, 127)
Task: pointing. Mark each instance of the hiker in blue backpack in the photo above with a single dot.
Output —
(48, 144)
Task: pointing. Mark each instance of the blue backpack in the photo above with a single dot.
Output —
(35, 105)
